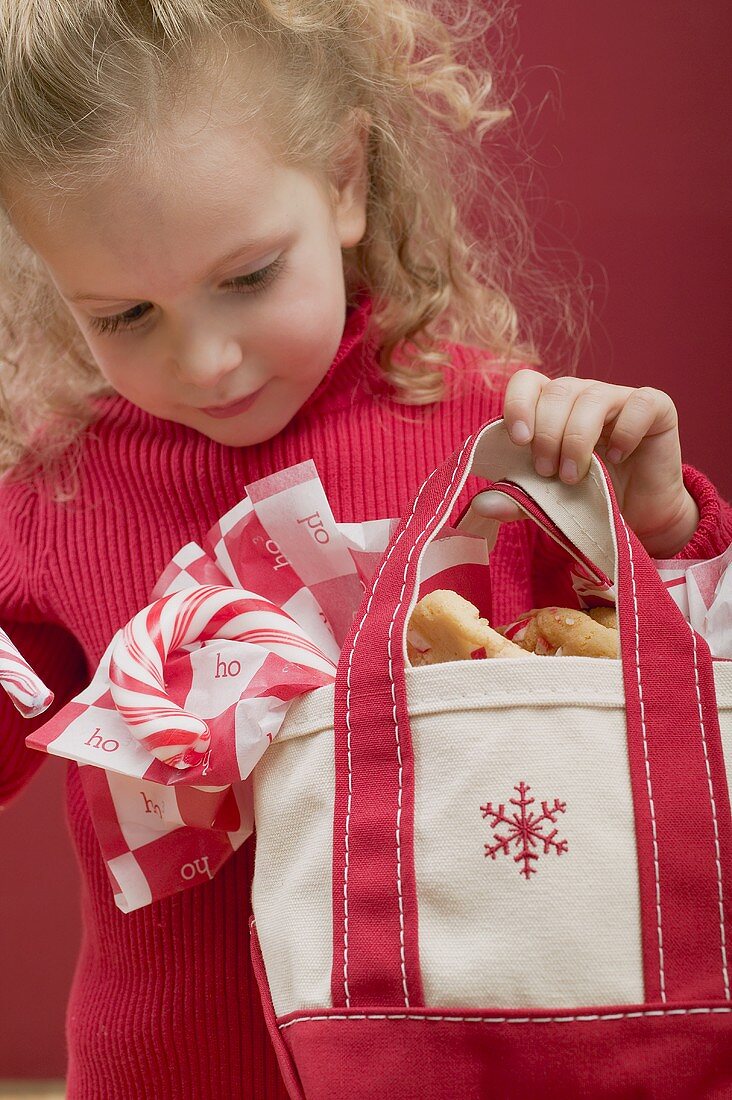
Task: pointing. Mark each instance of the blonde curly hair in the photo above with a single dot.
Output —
(84, 83)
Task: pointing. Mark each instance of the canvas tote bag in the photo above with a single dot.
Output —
(503, 878)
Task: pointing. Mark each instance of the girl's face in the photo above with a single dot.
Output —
(216, 279)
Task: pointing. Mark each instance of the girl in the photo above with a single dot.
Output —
(232, 241)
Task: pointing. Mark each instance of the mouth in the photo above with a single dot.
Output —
(235, 408)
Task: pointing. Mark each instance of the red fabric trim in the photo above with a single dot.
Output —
(660, 1055)
(284, 1057)
(679, 790)
(376, 951)
(375, 933)
(559, 539)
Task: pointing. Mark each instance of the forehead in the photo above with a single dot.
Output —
(151, 225)
(194, 174)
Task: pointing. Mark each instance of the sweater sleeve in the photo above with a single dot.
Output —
(711, 538)
(51, 651)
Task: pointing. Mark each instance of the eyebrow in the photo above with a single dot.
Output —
(241, 249)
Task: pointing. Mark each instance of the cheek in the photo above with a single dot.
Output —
(105, 360)
(308, 342)
(121, 369)
(308, 354)
(119, 361)
(100, 350)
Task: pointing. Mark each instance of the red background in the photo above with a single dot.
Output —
(634, 151)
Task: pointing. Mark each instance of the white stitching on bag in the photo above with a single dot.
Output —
(722, 932)
(711, 1011)
(350, 787)
(424, 537)
(396, 733)
(662, 975)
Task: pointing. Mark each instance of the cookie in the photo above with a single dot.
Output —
(446, 627)
(607, 616)
(573, 633)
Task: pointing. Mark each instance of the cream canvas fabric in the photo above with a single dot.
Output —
(565, 936)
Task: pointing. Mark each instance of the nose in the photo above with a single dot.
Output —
(204, 358)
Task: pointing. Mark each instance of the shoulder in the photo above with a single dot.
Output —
(475, 384)
(19, 502)
(419, 435)
(475, 370)
(21, 542)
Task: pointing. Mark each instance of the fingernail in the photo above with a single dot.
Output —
(614, 455)
(520, 432)
(569, 470)
(545, 467)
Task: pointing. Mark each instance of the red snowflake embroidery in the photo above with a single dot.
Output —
(525, 829)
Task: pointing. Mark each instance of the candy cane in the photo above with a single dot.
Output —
(136, 671)
(29, 694)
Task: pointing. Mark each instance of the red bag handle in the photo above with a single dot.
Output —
(674, 746)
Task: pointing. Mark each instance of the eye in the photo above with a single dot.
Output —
(258, 279)
(250, 284)
(120, 320)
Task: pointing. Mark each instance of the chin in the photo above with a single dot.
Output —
(234, 434)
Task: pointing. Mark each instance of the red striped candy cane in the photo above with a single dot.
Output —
(136, 671)
(29, 694)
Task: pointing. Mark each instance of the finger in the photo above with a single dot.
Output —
(519, 403)
(594, 407)
(496, 506)
(552, 413)
(647, 411)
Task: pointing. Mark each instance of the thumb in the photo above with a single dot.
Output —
(496, 506)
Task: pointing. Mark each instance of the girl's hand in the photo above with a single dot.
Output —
(635, 432)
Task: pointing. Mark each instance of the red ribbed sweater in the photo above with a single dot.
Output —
(164, 1004)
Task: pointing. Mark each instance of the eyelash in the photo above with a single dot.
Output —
(256, 282)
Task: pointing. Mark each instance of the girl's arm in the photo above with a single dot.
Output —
(712, 537)
(714, 531)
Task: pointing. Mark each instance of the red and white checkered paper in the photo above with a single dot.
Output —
(165, 828)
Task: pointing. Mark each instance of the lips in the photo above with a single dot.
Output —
(236, 408)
